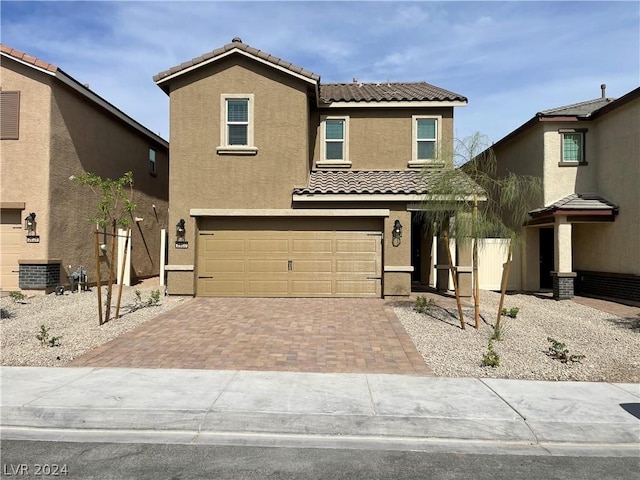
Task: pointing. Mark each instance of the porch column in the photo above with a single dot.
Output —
(563, 275)
(442, 264)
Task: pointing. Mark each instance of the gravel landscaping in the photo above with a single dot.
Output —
(609, 343)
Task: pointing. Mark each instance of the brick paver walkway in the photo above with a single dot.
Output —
(281, 334)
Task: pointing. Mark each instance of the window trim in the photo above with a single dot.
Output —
(11, 131)
(224, 148)
(573, 131)
(153, 165)
(415, 161)
(323, 161)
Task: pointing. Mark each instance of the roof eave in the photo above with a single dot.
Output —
(392, 104)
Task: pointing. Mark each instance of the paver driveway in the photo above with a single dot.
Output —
(282, 334)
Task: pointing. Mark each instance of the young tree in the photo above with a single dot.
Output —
(483, 203)
(114, 208)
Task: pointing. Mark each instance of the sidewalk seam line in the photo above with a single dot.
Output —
(222, 390)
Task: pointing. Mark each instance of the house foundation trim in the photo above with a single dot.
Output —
(268, 212)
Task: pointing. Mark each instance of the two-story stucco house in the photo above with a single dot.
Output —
(291, 187)
(584, 233)
(53, 127)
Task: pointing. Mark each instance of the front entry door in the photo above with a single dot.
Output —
(546, 244)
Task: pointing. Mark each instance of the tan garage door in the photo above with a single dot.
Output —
(263, 263)
(11, 238)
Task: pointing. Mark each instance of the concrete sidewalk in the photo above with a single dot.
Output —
(320, 410)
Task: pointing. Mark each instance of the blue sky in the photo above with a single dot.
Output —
(510, 59)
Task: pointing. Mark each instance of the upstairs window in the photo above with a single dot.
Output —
(236, 124)
(425, 140)
(572, 147)
(9, 115)
(152, 161)
(335, 142)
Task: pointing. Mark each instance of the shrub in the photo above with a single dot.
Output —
(491, 358)
(422, 305)
(559, 351)
(512, 312)
(17, 296)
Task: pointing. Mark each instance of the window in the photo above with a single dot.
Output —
(426, 137)
(236, 124)
(152, 161)
(335, 142)
(572, 147)
(9, 115)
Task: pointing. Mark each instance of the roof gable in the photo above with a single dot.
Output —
(83, 90)
(236, 46)
(582, 109)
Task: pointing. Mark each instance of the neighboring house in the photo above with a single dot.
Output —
(53, 127)
(584, 233)
(291, 187)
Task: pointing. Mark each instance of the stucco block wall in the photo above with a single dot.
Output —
(381, 138)
(202, 178)
(560, 181)
(62, 134)
(24, 165)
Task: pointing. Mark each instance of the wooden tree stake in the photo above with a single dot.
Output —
(124, 263)
(97, 238)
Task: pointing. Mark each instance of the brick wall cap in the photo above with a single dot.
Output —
(50, 261)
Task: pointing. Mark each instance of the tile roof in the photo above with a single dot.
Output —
(18, 55)
(379, 182)
(236, 44)
(378, 92)
(582, 109)
(578, 201)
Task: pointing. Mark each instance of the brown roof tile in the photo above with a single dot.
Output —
(378, 182)
(582, 109)
(236, 44)
(390, 92)
(18, 55)
(577, 201)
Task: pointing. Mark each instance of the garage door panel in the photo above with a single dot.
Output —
(368, 244)
(312, 266)
(369, 267)
(355, 287)
(220, 288)
(320, 246)
(268, 245)
(267, 266)
(221, 265)
(267, 287)
(311, 287)
(227, 246)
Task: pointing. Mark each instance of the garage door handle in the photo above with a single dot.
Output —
(289, 265)
(205, 277)
(374, 278)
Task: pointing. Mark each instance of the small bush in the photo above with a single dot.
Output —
(17, 296)
(422, 305)
(499, 332)
(44, 338)
(559, 351)
(491, 358)
(512, 312)
(154, 298)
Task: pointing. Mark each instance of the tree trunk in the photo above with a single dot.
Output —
(97, 240)
(111, 274)
(455, 279)
(505, 279)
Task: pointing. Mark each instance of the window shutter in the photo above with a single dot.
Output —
(9, 115)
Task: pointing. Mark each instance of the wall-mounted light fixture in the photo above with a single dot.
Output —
(30, 227)
(396, 233)
(181, 232)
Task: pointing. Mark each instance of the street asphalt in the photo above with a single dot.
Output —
(357, 411)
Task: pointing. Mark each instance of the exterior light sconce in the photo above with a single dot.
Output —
(181, 232)
(30, 227)
(396, 233)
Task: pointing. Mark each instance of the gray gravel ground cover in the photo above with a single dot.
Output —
(610, 344)
(74, 318)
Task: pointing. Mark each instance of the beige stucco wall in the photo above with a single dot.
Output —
(397, 282)
(63, 134)
(201, 178)
(562, 180)
(24, 164)
(614, 247)
(381, 138)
